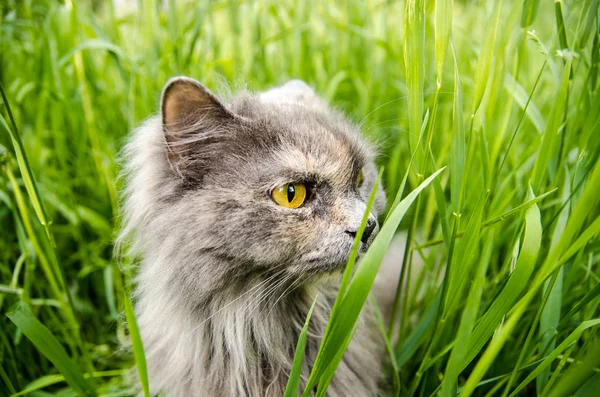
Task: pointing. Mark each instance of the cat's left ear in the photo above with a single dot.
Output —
(188, 107)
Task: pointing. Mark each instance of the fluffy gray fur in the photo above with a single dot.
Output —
(226, 275)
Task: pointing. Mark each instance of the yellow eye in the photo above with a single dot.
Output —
(359, 179)
(290, 195)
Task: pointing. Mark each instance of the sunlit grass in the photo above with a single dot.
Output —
(503, 242)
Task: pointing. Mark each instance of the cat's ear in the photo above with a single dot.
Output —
(187, 107)
(294, 92)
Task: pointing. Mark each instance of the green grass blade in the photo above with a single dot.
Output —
(589, 296)
(291, 389)
(400, 190)
(399, 193)
(414, 63)
(459, 273)
(330, 370)
(26, 174)
(572, 338)
(50, 347)
(550, 316)
(549, 321)
(40, 383)
(49, 380)
(590, 388)
(560, 24)
(578, 244)
(467, 322)
(93, 44)
(589, 23)
(551, 133)
(559, 253)
(484, 63)
(417, 336)
(514, 287)
(457, 165)
(518, 208)
(530, 8)
(524, 100)
(443, 30)
(138, 345)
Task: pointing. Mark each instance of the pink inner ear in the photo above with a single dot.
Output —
(181, 104)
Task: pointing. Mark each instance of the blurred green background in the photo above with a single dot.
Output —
(503, 93)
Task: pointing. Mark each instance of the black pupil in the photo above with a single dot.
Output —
(291, 192)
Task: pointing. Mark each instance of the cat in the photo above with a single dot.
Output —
(240, 212)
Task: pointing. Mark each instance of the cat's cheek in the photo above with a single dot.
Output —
(330, 254)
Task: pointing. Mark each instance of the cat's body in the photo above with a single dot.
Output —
(227, 276)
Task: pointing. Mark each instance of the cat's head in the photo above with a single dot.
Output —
(263, 183)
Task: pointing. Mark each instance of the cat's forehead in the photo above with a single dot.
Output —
(308, 141)
(319, 150)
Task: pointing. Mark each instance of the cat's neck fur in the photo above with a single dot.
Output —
(244, 346)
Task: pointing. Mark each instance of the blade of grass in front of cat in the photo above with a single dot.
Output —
(348, 271)
(50, 347)
(291, 389)
(359, 287)
(329, 372)
(357, 241)
(138, 345)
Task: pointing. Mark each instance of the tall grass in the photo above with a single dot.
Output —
(502, 248)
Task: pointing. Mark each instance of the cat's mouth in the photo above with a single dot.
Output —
(332, 259)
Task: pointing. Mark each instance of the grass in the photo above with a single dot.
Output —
(505, 95)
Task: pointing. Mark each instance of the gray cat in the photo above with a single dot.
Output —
(241, 212)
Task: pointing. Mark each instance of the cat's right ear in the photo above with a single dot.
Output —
(188, 108)
(295, 92)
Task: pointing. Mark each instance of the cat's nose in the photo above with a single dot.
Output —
(371, 224)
